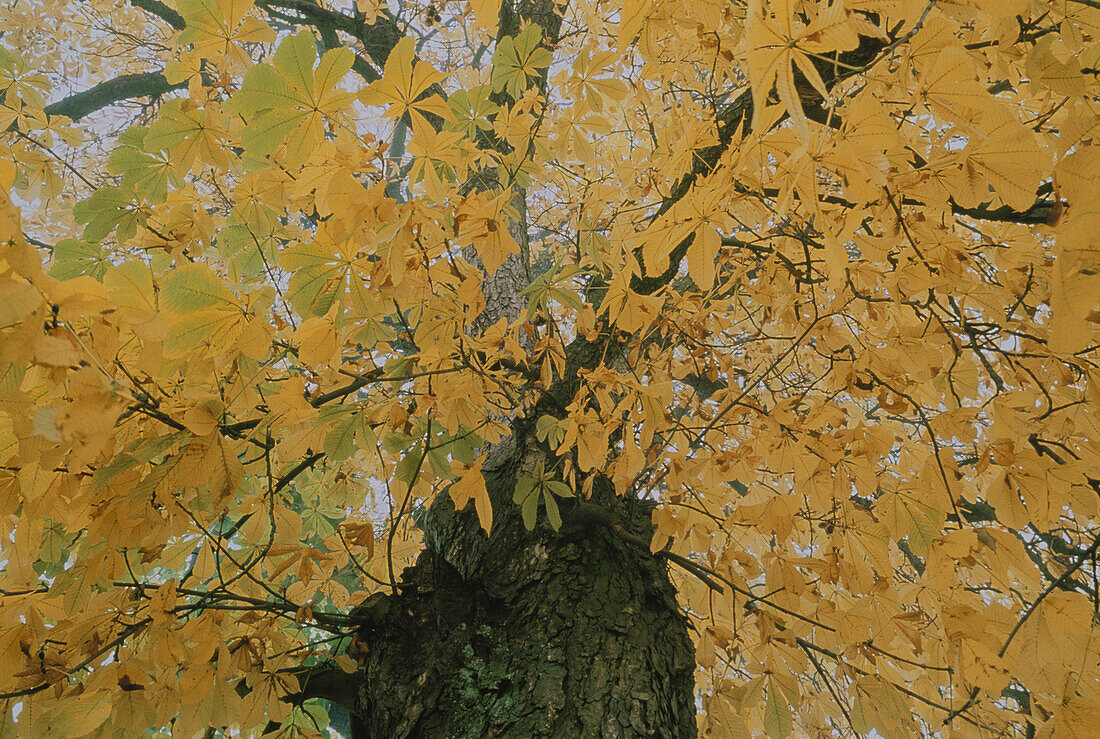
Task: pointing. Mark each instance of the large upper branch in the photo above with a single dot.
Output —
(738, 115)
(126, 87)
(1042, 211)
(378, 38)
(162, 11)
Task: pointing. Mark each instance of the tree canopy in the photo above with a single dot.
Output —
(820, 280)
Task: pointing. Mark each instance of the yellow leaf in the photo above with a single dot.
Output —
(218, 28)
(403, 82)
(17, 301)
(701, 254)
(471, 484)
(592, 440)
(199, 421)
(317, 342)
(632, 20)
(777, 714)
(345, 663)
(10, 230)
(486, 225)
(1075, 284)
(56, 350)
(879, 705)
(1010, 159)
(949, 84)
(487, 14)
(211, 461)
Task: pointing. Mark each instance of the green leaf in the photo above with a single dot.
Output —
(264, 89)
(168, 130)
(317, 278)
(559, 488)
(518, 58)
(552, 512)
(75, 257)
(529, 510)
(549, 429)
(251, 253)
(551, 285)
(333, 66)
(441, 466)
(194, 287)
(909, 518)
(119, 464)
(52, 552)
(464, 445)
(308, 716)
(396, 442)
(142, 172)
(108, 208)
(777, 715)
(528, 498)
(525, 486)
(340, 442)
(472, 109)
(407, 468)
(153, 450)
(268, 129)
(294, 59)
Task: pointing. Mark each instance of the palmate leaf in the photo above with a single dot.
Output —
(319, 276)
(131, 287)
(778, 42)
(472, 108)
(142, 171)
(289, 101)
(201, 312)
(777, 715)
(909, 518)
(527, 496)
(189, 134)
(540, 487)
(75, 257)
(403, 82)
(109, 208)
(518, 60)
(265, 88)
(218, 29)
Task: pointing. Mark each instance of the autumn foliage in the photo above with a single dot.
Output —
(290, 270)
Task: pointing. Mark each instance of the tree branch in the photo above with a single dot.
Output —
(728, 121)
(1040, 212)
(324, 681)
(378, 39)
(128, 86)
(162, 11)
(1085, 556)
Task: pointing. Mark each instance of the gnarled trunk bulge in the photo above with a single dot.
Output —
(528, 634)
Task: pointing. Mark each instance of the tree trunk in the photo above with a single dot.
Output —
(543, 633)
(528, 634)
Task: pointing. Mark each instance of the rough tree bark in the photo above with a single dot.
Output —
(572, 633)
